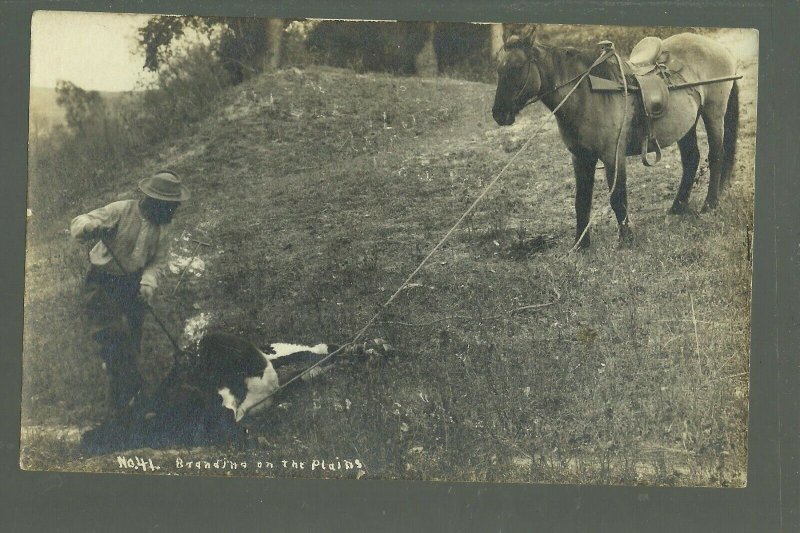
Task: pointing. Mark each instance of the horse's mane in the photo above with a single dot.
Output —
(561, 54)
(563, 57)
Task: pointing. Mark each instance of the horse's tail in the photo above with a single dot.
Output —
(730, 135)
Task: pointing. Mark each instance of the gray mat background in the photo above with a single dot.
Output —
(73, 502)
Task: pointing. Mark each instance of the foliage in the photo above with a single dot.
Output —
(368, 46)
(462, 50)
(185, 91)
(240, 43)
(104, 138)
(623, 37)
(82, 108)
(156, 36)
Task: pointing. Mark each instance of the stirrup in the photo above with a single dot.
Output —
(645, 146)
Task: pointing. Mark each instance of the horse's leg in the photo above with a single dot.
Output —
(619, 197)
(583, 163)
(690, 157)
(713, 120)
(731, 133)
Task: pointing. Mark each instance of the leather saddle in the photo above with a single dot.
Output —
(645, 56)
(650, 66)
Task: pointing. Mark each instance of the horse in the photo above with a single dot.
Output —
(205, 396)
(590, 121)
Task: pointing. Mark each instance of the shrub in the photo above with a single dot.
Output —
(104, 135)
(83, 109)
(623, 37)
(185, 91)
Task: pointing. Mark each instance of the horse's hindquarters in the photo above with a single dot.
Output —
(696, 59)
(703, 58)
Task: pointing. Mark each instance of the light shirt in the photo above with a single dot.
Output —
(137, 243)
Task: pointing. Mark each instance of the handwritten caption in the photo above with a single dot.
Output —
(146, 464)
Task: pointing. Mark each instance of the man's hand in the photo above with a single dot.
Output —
(146, 293)
(103, 234)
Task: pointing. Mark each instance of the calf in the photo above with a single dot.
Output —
(205, 396)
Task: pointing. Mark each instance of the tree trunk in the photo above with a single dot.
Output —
(274, 38)
(496, 40)
(426, 62)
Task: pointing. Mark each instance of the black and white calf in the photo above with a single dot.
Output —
(203, 399)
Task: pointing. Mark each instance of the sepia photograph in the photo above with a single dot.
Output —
(397, 250)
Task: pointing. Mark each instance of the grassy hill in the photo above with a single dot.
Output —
(321, 190)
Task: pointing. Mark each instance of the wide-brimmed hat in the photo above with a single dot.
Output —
(164, 185)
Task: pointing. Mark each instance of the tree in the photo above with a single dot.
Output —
(82, 107)
(425, 62)
(399, 47)
(245, 46)
(273, 33)
(496, 40)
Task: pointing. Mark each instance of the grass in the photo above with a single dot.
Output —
(320, 190)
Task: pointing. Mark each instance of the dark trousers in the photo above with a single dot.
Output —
(116, 315)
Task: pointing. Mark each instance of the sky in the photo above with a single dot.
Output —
(95, 51)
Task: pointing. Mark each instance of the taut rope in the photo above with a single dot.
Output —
(580, 77)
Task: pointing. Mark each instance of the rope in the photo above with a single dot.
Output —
(147, 305)
(458, 222)
(369, 323)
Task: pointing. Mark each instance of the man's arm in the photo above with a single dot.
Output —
(96, 224)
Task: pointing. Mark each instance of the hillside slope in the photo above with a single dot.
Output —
(320, 190)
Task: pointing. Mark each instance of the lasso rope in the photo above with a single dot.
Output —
(458, 222)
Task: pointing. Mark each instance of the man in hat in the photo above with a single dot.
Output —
(120, 286)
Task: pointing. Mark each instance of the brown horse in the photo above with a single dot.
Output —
(590, 121)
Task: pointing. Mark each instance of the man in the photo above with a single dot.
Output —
(119, 287)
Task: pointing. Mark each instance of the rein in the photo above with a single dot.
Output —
(603, 57)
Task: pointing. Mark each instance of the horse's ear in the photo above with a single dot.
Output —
(528, 33)
(519, 32)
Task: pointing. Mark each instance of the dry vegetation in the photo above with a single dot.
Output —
(321, 190)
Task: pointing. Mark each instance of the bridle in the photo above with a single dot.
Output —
(604, 56)
(521, 91)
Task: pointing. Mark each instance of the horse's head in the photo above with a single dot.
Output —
(518, 78)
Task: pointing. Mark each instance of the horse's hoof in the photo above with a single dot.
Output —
(709, 206)
(625, 235)
(679, 208)
(582, 245)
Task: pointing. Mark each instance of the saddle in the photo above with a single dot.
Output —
(648, 70)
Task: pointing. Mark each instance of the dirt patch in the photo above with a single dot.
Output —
(196, 327)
